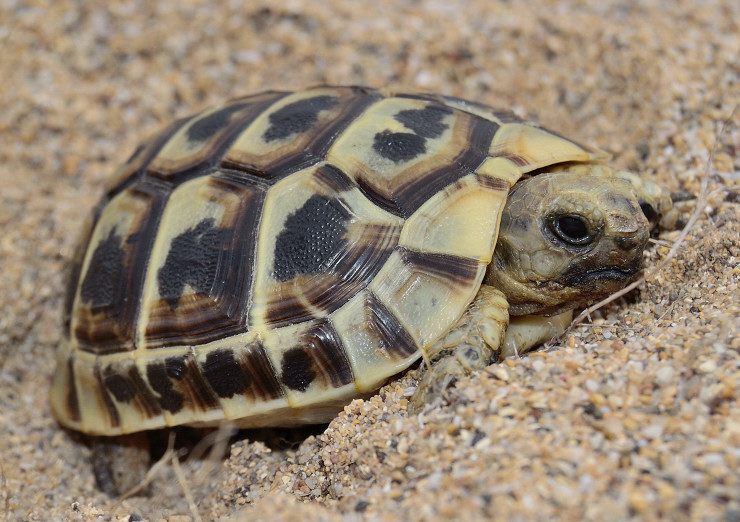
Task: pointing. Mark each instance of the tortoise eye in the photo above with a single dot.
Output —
(571, 228)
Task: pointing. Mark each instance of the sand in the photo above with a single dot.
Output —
(633, 416)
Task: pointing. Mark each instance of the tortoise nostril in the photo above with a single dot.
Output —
(631, 242)
(649, 211)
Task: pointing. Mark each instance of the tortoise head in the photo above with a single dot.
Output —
(568, 238)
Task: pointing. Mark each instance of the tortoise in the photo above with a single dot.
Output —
(269, 259)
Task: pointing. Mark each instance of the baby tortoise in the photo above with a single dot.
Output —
(268, 260)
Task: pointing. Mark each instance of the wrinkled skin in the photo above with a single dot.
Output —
(568, 238)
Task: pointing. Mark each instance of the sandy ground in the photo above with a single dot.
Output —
(636, 416)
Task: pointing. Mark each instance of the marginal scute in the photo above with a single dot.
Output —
(381, 345)
(318, 357)
(160, 375)
(224, 374)
(531, 147)
(128, 387)
(242, 375)
(95, 406)
(310, 366)
(65, 382)
(500, 170)
(427, 292)
(120, 387)
(181, 387)
(296, 369)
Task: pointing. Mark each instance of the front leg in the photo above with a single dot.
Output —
(526, 332)
(472, 344)
(479, 338)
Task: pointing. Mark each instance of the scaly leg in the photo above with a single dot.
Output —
(471, 345)
(481, 337)
(526, 332)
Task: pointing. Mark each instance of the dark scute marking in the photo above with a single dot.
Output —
(119, 386)
(221, 311)
(319, 356)
(72, 283)
(312, 236)
(127, 385)
(296, 369)
(205, 128)
(351, 273)
(457, 270)
(104, 272)
(394, 338)
(193, 259)
(297, 117)
(311, 148)
(399, 146)
(224, 373)
(505, 116)
(353, 270)
(490, 182)
(73, 402)
(516, 159)
(328, 352)
(113, 416)
(158, 375)
(197, 391)
(138, 150)
(334, 178)
(104, 328)
(175, 367)
(426, 122)
(258, 369)
(378, 198)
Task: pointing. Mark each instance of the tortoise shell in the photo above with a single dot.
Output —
(269, 259)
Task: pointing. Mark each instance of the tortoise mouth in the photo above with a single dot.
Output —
(606, 274)
(601, 276)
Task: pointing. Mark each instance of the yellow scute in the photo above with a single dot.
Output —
(461, 220)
